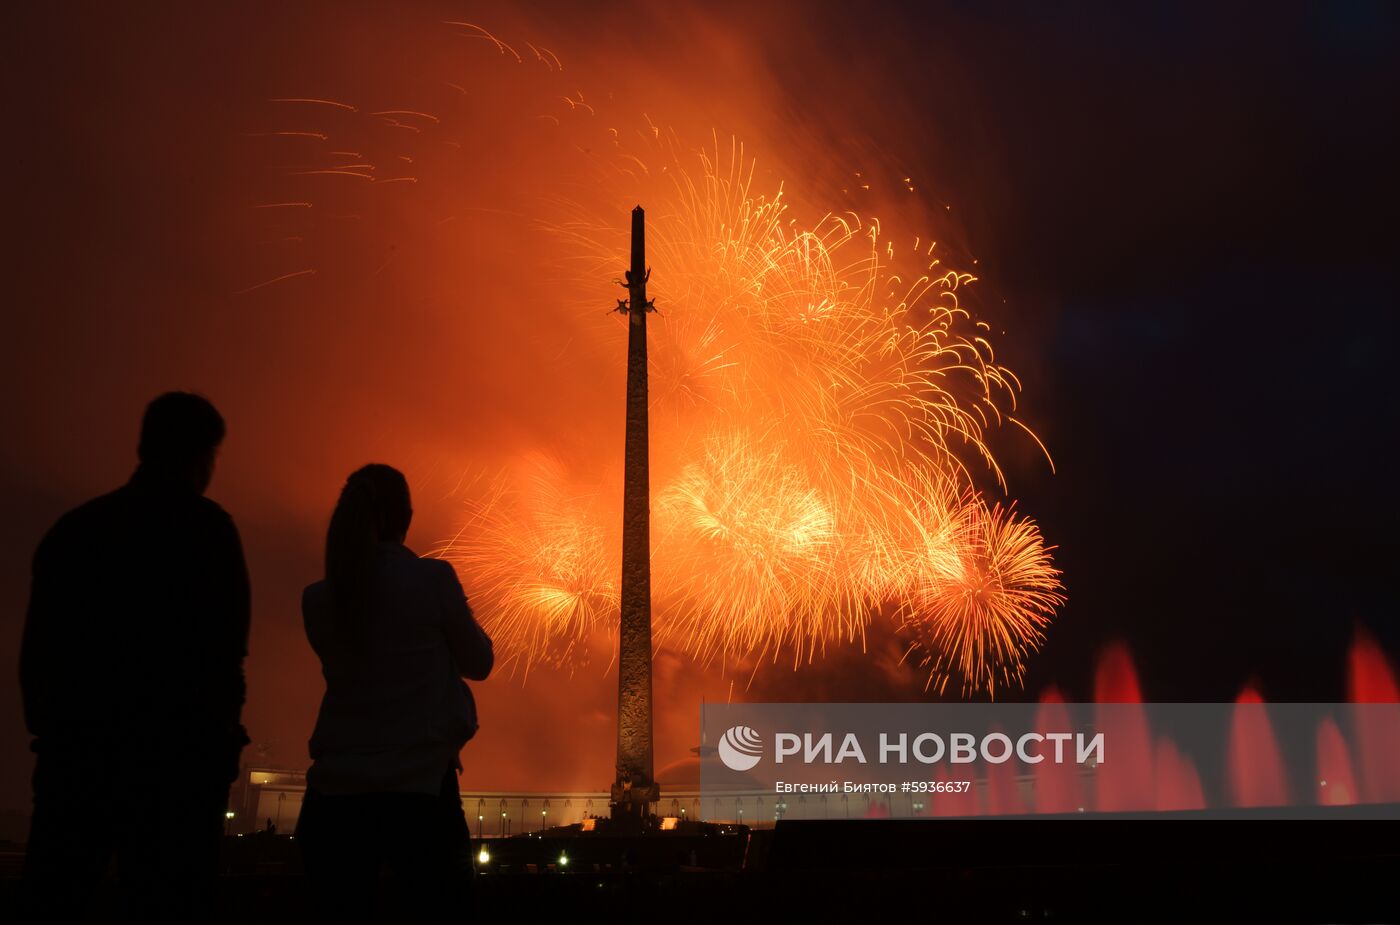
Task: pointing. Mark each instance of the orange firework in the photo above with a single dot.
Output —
(543, 573)
(821, 400)
(824, 411)
(744, 553)
(829, 330)
(981, 611)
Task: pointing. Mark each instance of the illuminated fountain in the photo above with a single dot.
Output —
(1151, 771)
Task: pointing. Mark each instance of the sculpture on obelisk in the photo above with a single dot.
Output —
(635, 789)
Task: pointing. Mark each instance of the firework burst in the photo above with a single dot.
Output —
(543, 572)
(760, 528)
(978, 612)
(821, 403)
(826, 475)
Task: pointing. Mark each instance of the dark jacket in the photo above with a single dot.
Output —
(138, 626)
(396, 713)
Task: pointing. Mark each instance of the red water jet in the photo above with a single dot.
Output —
(1336, 782)
(1178, 786)
(1003, 794)
(1124, 780)
(1057, 786)
(1371, 680)
(950, 804)
(1256, 772)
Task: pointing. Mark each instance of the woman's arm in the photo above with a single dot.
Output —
(470, 646)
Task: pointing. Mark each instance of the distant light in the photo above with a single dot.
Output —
(563, 859)
(483, 856)
(228, 815)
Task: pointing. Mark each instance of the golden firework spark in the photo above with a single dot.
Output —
(835, 394)
(822, 400)
(744, 518)
(979, 612)
(543, 574)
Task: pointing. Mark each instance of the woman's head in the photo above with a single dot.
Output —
(375, 503)
(374, 507)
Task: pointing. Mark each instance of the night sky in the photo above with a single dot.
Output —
(1183, 219)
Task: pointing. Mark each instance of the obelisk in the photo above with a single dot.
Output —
(634, 789)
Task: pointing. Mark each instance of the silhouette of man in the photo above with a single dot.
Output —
(131, 670)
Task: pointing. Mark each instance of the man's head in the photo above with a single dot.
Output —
(180, 436)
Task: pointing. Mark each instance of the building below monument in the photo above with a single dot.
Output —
(275, 795)
(265, 795)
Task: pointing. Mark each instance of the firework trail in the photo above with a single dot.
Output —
(821, 404)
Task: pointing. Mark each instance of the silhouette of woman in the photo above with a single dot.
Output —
(395, 637)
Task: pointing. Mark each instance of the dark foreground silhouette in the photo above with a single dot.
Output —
(132, 666)
(395, 637)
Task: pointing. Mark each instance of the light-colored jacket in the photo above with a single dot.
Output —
(396, 714)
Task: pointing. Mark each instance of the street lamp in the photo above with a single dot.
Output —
(228, 821)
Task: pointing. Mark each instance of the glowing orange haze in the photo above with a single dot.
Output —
(818, 396)
(418, 233)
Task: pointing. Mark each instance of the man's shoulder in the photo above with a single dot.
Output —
(124, 502)
(104, 504)
(209, 510)
(195, 519)
(205, 518)
(85, 517)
